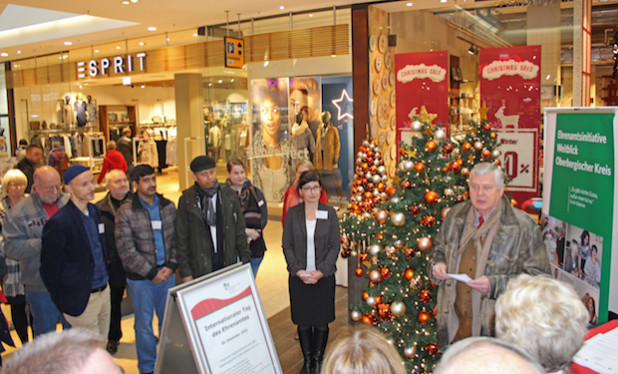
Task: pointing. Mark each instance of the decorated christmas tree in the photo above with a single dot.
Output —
(400, 299)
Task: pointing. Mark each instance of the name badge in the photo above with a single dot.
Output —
(101, 228)
(156, 225)
(321, 214)
(260, 203)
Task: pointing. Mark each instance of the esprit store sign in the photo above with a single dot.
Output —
(421, 71)
(111, 65)
(509, 67)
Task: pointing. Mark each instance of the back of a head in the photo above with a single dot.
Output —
(362, 350)
(544, 317)
(64, 352)
(486, 355)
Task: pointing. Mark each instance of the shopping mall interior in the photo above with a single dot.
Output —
(165, 71)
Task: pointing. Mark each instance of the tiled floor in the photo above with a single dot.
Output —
(271, 282)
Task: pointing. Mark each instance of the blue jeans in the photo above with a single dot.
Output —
(45, 314)
(255, 264)
(146, 297)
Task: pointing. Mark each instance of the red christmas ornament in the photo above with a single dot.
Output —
(406, 184)
(455, 167)
(431, 197)
(402, 152)
(486, 127)
(365, 295)
(390, 191)
(497, 162)
(367, 319)
(447, 148)
(493, 134)
(359, 272)
(379, 236)
(386, 272)
(425, 295)
(419, 167)
(408, 274)
(485, 153)
(514, 202)
(433, 349)
(423, 317)
(414, 210)
(430, 146)
(384, 311)
(466, 146)
(428, 221)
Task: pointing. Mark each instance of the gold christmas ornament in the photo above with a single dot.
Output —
(398, 308)
(398, 218)
(381, 216)
(409, 165)
(374, 249)
(478, 145)
(440, 134)
(409, 352)
(371, 301)
(424, 244)
(375, 276)
(355, 315)
(417, 125)
(444, 212)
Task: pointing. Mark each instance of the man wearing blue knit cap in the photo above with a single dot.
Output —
(73, 263)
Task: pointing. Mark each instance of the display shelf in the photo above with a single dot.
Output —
(109, 114)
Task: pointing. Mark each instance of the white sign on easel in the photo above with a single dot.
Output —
(216, 325)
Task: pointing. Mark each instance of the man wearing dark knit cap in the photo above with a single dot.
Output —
(210, 228)
(73, 264)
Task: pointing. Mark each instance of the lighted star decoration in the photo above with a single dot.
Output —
(425, 116)
(483, 110)
(347, 103)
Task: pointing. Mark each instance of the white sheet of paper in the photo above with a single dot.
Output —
(598, 353)
(156, 225)
(101, 228)
(460, 277)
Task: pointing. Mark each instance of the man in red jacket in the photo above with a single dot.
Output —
(113, 160)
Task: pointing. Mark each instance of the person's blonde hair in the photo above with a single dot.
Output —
(544, 317)
(362, 350)
(304, 162)
(11, 175)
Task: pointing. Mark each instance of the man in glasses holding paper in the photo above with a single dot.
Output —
(482, 244)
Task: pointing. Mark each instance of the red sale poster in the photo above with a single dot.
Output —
(422, 90)
(511, 94)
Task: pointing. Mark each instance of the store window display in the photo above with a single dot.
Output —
(302, 139)
(271, 146)
(305, 98)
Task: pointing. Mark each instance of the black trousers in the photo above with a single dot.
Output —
(115, 331)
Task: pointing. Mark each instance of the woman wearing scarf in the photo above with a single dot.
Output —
(253, 206)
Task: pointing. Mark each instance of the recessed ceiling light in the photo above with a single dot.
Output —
(141, 43)
(311, 15)
(152, 28)
(281, 7)
(195, 35)
(408, 4)
(210, 84)
(443, 1)
(265, 63)
(96, 51)
(117, 47)
(220, 81)
(143, 86)
(134, 1)
(232, 80)
(19, 51)
(68, 43)
(126, 2)
(4, 54)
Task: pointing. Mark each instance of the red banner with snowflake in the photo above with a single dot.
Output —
(511, 98)
(422, 90)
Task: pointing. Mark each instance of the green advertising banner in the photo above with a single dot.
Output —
(579, 220)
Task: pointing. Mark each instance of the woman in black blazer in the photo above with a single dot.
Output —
(311, 246)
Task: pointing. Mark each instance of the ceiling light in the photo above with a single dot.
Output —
(117, 47)
(19, 51)
(473, 50)
(281, 7)
(311, 15)
(443, 1)
(152, 28)
(220, 81)
(210, 84)
(195, 35)
(265, 63)
(408, 4)
(141, 43)
(232, 80)
(4, 54)
(68, 43)
(126, 2)
(143, 86)
(134, 1)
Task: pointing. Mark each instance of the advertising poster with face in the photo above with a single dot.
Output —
(575, 255)
(270, 152)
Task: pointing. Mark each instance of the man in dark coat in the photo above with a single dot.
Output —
(73, 263)
(34, 155)
(117, 186)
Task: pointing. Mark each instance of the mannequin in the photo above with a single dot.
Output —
(91, 112)
(302, 138)
(328, 145)
(68, 114)
(81, 117)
